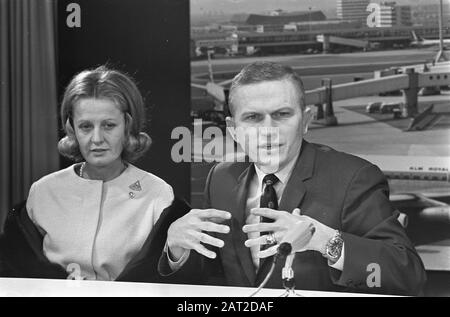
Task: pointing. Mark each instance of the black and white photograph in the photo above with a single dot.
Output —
(208, 150)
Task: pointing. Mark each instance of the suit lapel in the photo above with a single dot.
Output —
(240, 193)
(295, 188)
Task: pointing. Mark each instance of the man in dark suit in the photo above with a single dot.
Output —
(357, 242)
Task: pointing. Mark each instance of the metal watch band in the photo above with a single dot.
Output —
(333, 248)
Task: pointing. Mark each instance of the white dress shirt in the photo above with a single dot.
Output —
(93, 226)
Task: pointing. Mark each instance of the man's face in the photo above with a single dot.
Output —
(269, 123)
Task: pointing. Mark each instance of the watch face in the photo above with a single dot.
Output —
(334, 251)
(334, 248)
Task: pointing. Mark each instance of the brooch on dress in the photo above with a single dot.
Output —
(136, 186)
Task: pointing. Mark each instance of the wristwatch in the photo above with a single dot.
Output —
(333, 248)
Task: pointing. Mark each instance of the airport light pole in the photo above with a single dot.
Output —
(309, 19)
(209, 52)
(441, 54)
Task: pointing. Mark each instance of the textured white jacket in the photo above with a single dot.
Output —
(94, 228)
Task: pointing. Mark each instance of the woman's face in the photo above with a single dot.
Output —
(100, 130)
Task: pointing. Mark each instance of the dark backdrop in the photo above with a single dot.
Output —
(150, 41)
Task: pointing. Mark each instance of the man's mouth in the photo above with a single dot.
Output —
(270, 146)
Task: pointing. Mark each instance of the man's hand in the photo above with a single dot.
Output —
(283, 223)
(321, 236)
(187, 232)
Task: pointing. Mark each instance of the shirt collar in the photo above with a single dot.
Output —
(283, 174)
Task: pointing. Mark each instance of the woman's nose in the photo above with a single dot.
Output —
(97, 135)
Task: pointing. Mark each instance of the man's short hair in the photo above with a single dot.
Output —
(259, 72)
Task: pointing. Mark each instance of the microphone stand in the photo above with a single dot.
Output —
(287, 274)
(286, 250)
(283, 250)
(266, 279)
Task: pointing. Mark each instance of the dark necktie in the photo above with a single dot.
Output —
(269, 197)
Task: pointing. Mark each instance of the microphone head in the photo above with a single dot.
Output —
(285, 249)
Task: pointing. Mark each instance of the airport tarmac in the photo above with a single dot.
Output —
(319, 63)
(361, 134)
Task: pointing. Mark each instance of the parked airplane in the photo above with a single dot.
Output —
(418, 168)
(216, 90)
(428, 168)
(422, 42)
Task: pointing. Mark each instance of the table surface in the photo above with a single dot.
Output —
(71, 288)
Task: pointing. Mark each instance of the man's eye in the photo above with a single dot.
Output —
(251, 117)
(110, 126)
(282, 114)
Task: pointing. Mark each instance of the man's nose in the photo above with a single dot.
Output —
(268, 122)
(97, 135)
(269, 127)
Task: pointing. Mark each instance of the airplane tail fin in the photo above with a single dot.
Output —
(416, 37)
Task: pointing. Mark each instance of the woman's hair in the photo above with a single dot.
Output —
(104, 83)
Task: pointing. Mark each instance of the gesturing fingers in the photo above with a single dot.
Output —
(255, 241)
(204, 251)
(191, 230)
(266, 212)
(259, 227)
(213, 227)
(207, 239)
(214, 215)
(262, 240)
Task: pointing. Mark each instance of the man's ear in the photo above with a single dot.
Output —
(307, 118)
(231, 127)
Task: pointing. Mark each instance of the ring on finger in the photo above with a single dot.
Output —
(270, 239)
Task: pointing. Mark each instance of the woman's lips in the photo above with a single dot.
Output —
(99, 151)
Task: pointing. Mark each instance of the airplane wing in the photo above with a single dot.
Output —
(225, 82)
(198, 86)
(429, 209)
(423, 197)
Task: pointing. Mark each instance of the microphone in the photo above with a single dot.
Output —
(287, 273)
(284, 249)
(294, 241)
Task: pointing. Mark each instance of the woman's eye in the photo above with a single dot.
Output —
(84, 127)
